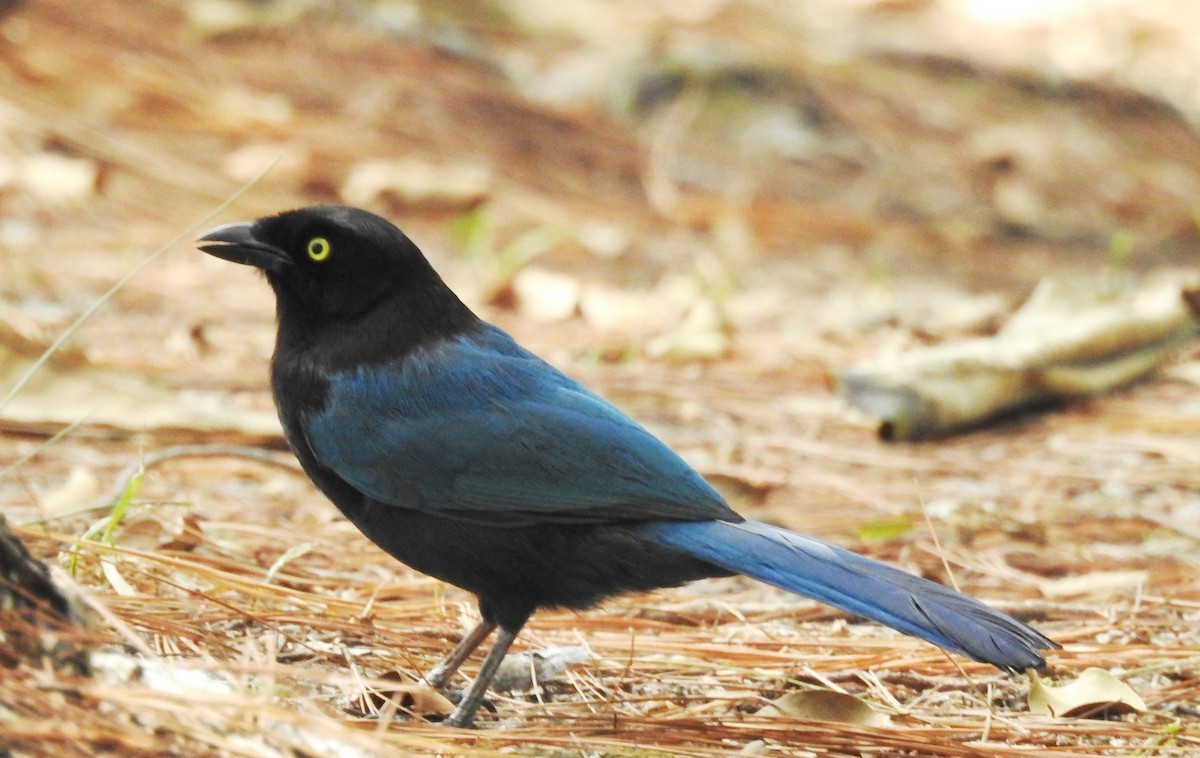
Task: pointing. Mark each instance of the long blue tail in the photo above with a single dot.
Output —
(860, 585)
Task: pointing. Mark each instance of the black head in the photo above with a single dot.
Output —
(345, 279)
(328, 262)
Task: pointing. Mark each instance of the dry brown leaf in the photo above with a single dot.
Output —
(410, 695)
(1094, 694)
(826, 705)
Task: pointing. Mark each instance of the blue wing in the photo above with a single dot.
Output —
(480, 428)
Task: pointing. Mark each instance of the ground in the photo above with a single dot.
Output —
(701, 210)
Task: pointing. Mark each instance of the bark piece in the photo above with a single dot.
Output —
(1066, 341)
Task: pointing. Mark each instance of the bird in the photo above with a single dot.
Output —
(470, 459)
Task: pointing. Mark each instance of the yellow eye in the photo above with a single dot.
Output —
(319, 249)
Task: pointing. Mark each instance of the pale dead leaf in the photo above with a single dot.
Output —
(701, 335)
(523, 671)
(116, 581)
(1185, 372)
(826, 705)
(247, 162)
(616, 310)
(1095, 693)
(546, 296)
(418, 182)
(245, 107)
(226, 16)
(81, 488)
(602, 239)
(160, 529)
(1102, 582)
(58, 179)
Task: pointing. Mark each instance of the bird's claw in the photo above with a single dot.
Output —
(459, 720)
(456, 695)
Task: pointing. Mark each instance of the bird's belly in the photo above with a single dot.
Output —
(519, 569)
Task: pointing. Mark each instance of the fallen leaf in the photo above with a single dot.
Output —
(162, 528)
(418, 183)
(1092, 583)
(1094, 694)
(616, 310)
(59, 179)
(702, 334)
(216, 17)
(242, 107)
(119, 584)
(602, 239)
(826, 705)
(523, 671)
(1069, 340)
(80, 489)
(248, 161)
(409, 695)
(546, 296)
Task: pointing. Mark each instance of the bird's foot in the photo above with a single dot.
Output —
(457, 717)
(460, 720)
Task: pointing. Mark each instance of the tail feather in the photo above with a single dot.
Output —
(860, 585)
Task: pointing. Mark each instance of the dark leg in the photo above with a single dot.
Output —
(464, 714)
(441, 673)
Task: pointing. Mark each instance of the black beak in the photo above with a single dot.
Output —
(236, 242)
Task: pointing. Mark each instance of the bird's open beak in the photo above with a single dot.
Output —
(236, 242)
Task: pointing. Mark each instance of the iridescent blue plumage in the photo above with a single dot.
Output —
(857, 584)
(478, 428)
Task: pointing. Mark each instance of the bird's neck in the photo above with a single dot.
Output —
(391, 328)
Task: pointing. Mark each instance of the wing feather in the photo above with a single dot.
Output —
(479, 428)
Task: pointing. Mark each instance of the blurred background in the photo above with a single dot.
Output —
(796, 144)
(762, 189)
(701, 208)
(805, 148)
